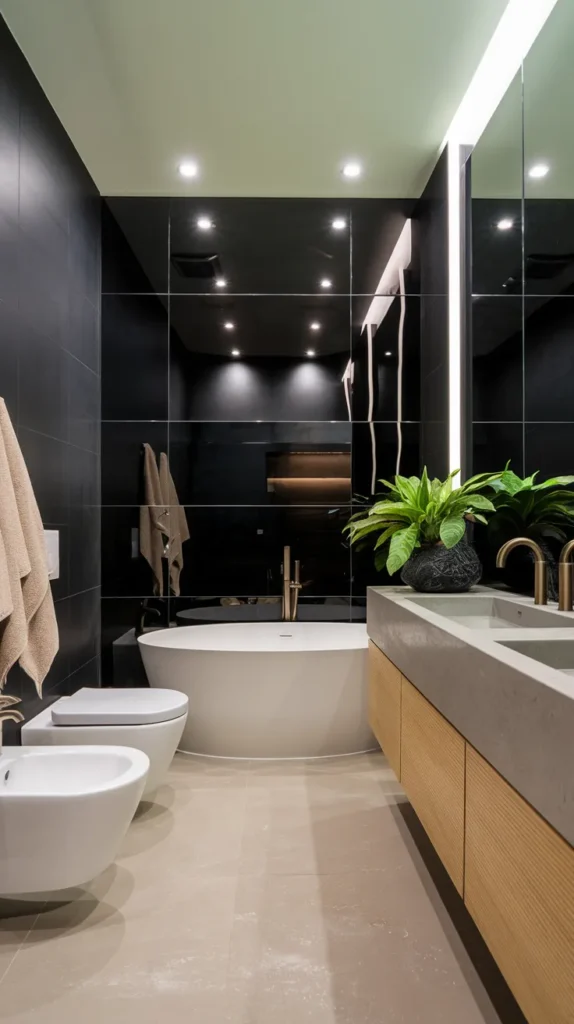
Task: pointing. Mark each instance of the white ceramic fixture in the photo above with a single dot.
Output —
(149, 720)
(64, 813)
(269, 689)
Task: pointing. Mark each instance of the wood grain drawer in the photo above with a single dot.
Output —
(519, 888)
(432, 773)
(385, 705)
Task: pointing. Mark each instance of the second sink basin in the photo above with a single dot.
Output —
(554, 653)
(481, 611)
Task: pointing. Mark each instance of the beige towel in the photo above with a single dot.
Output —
(178, 530)
(154, 520)
(29, 633)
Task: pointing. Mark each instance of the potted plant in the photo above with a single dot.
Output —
(524, 508)
(419, 526)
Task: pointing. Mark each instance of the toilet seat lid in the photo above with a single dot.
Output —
(133, 706)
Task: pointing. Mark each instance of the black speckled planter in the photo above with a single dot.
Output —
(438, 569)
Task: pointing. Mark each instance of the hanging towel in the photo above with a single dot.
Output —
(29, 632)
(154, 520)
(178, 529)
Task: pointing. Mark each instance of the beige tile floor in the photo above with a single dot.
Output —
(258, 893)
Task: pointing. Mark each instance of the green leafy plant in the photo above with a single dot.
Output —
(524, 507)
(418, 511)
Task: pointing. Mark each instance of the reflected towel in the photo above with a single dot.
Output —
(29, 631)
(154, 520)
(178, 529)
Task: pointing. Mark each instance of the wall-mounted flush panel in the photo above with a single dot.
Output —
(52, 540)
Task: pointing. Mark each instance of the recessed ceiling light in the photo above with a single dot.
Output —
(229, 325)
(339, 224)
(310, 352)
(505, 224)
(326, 282)
(220, 282)
(538, 171)
(314, 325)
(235, 352)
(352, 169)
(188, 169)
(204, 223)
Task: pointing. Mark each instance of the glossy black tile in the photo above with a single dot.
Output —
(121, 659)
(375, 395)
(496, 246)
(261, 463)
(134, 358)
(187, 611)
(494, 444)
(497, 358)
(271, 246)
(122, 458)
(548, 245)
(550, 449)
(549, 358)
(125, 573)
(135, 251)
(376, 227)
(379, 443)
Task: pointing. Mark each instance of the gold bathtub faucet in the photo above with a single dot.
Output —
(291, 587)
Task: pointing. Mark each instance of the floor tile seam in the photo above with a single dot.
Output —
(19, 948)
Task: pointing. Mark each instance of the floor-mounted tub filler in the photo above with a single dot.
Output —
(268, 689)
(63, 813)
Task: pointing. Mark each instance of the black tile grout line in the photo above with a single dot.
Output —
(50, 437)
(168, 453)
(65, 679)
(96, 374)
(262, 423)
(293, 295)
(77, 593)
(216, 597)
(346, 505)
(527, 423)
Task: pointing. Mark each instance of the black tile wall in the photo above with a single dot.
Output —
(266, 447)
(50, 356)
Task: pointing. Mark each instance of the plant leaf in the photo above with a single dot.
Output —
(401, 547)
(452, 531)
(479, 501)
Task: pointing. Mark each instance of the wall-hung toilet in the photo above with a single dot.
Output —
(149, 720)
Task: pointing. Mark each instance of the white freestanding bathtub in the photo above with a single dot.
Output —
(266, 690)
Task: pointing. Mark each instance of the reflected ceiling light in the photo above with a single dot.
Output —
(310, 353)
(538, 171)
(188, 169)
(204, 223)
(339, 224)
(326, 282)
(352, 169)
(314, 325)
(229, 325)
(505, 224)
(388, 353)
(235, 352)
(220, 282)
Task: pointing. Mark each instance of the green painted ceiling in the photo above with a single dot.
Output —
(270, 96)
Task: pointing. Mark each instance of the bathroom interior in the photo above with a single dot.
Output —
(286, 512)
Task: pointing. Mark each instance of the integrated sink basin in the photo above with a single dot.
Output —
(481, 611)
(554, 653)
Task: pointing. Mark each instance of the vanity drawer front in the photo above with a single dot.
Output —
(385, 705)
(519, 888)
(432, 773)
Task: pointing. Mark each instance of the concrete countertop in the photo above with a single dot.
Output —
(517, 712)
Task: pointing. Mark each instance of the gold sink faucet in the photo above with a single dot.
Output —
(540, 565)
(565, 578)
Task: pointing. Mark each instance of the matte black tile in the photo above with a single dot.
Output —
(43, 292)
(135, 244)
(86, 675)
(9, 276)
(83, 334)
(83, 476)
(550, 449)
(84, 627)
(60, 668)
(122, 459)
(497, 358)
(9, 149)
(134, 358)
(121, 660)
(261, 463)
(42, 385)
(83, 405)
(47, 461)
(9, 347)
(494, 444)
(549, 358)
(273, 246)
(379, 442)
(382, 390)
(273, 378)
(85, 548)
